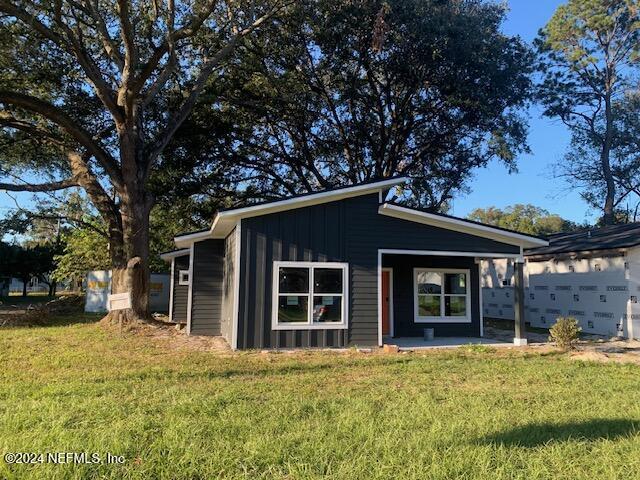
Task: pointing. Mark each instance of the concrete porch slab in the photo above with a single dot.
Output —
(417, 343)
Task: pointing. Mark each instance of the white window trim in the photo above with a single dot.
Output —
(181, 280)
(441, 319)
(309, 325)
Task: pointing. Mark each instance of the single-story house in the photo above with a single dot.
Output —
(336, 268)
(592, 275)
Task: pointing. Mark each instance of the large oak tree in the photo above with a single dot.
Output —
(343, 92)
(92, 93)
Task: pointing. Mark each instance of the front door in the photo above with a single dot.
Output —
(386, 292)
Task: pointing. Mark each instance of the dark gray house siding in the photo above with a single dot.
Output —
(350, 231)
(206, 299)
(404, 301)
(228, 286)
(180, 292)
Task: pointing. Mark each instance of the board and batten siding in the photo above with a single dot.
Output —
(228, 286)
(207, 285)
(404, 295)
(180, 292)
(349, 230)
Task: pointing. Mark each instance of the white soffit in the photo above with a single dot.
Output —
(459, 225)
(225, 221)
(176, 253)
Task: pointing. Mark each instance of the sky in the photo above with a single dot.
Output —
(494, 186)
(548, 140)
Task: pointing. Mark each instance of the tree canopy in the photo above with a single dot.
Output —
(523, 218)
(337, 93)
(91, 94)
(589, 54)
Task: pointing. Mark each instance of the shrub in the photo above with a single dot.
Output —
(565, 332)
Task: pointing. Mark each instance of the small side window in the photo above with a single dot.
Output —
(183, 277)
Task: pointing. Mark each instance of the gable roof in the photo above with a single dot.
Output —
(471, 227)
(605, 238)
(225, 220)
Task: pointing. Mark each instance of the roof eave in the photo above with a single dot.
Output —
(168, 256)
(472, 228)
(225, 221)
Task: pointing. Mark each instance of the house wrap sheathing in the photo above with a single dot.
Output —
(600, 290)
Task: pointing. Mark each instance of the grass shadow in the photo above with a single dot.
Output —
(539, 434)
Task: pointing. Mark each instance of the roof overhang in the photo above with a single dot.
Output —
(460, 225)
(577, 255)
(168, 256)
(225, 221)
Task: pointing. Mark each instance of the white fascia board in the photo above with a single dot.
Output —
(167, 257)
(313, 199)
(225, 221)
(458, 225)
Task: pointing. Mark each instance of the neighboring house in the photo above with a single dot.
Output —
(592, 275)
(34, 285)
(335, 268)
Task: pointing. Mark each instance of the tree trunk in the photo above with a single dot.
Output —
(52, 288)
(130, 259)
(24, 287)
(608, 217)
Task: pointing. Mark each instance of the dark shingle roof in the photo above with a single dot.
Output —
(604, 238)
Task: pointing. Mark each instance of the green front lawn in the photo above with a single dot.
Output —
(469, 414)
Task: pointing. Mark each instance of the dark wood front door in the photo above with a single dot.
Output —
(386, 291)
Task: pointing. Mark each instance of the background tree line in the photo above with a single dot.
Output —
(159, 113)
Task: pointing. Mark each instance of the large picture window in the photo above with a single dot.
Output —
(309, 295)
(442, 295)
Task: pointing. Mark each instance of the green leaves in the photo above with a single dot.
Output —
(588, 55)
(313, 105)
(523, 218)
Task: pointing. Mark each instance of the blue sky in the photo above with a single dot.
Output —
(548, 139)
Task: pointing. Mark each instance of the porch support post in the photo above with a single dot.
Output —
(521, 329)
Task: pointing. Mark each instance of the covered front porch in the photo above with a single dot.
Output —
(440, 291)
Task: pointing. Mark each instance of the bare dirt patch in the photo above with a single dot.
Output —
(39, 314)
(590, 348)
(611, 350)
(174, 338)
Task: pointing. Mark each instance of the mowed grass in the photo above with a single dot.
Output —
(466, 413)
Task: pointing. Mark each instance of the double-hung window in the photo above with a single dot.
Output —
(442, 295)
(309, 295)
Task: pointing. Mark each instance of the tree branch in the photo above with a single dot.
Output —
(72, 45)
(64, 121)
(174, 122)
(41, 187)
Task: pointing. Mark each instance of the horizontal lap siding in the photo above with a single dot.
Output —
(349, 231)
(180, 292)
(206, 301)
